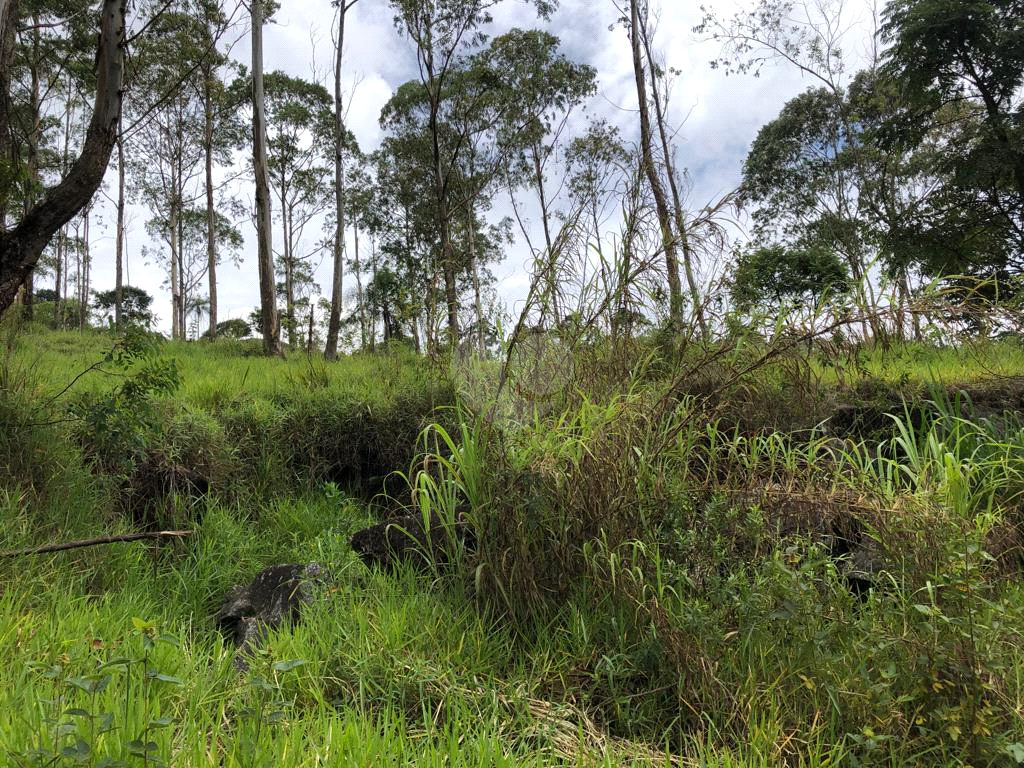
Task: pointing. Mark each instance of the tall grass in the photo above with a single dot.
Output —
(656, 579)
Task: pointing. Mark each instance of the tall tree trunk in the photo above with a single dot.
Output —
(21, 247)
(176, 329)
(477, 302)
(62, 241)
(414, 329)
(360, 298)
(83, 299)
(33, 153)
(289, 277)
(264, 233)
(376, 293)
(8, 35)
(675, 289)
(447, 253)
(444, 216)
(183, 288)
(337, 294)
(78, 276)
(670, 173)
(58, 275)
(119, 237)
(211, 235)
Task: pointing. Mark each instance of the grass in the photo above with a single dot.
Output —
(390, 669)
(653, 584)
(919, 365)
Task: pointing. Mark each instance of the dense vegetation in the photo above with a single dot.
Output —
(719, 501)
(666, 568)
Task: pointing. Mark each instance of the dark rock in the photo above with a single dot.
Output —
(860, 559)
(407, 539)
(274, 597)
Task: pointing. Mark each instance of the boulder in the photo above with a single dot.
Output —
(275, 596)
(407, 539)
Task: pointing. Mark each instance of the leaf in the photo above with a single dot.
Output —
(1016, 752)
(120, 661)
(142, 625)
(152, 674)
(89, 685)
(260, 682)
(76, 712)
(287, 666)
(80, 751)
(106, 722)
(141, 749)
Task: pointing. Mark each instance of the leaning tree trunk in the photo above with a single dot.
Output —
(22, 245)
(675, 287)
(670, 173)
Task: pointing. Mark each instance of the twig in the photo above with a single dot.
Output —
(95, 542)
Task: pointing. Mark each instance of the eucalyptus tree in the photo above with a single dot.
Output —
(538, 88)
(360, 202)
(441, 30)
(657, 162)
(190, 234)
(223, 129)
(599, 168)
(299, 117)
(166, 148)
(401, 217)
(341, 147)
(268, 303)
(22, 242)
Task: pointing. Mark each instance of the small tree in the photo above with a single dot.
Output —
(780, 278)
(136, 306)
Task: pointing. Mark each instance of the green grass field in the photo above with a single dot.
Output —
(650, 587)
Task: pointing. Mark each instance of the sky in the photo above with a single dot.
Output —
(717, 115)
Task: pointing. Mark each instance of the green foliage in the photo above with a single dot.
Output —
(135, 306)
(235, 328)
(777, 276)
(116, 428)
(960, 64)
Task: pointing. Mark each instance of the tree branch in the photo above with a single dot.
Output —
(95, 542)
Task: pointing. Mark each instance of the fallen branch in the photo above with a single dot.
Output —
(95, 542)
